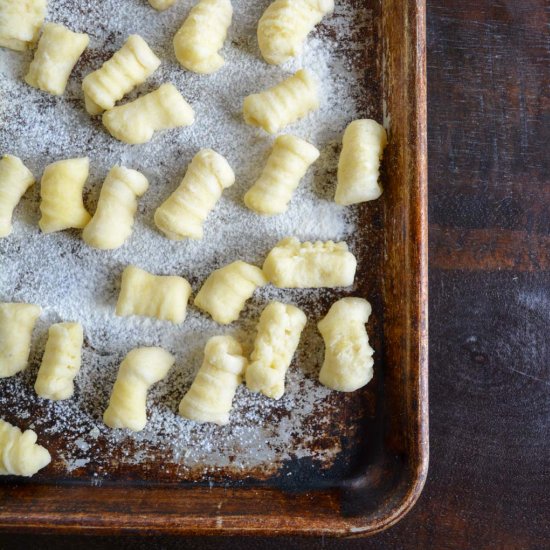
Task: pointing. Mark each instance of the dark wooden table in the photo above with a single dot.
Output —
(489, 138)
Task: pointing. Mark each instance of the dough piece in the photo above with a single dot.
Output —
(285, 24)
(348, 355)
(162, 5)
(210, 397)
(20, 455)
(163, 297)
(286, 166)
(183, 213)
(113, 220)
(58, 51)
(278, 335)
(292, 264)
(202, 35)
(359, 165)
(61, 361)
(141, 368)
(137, 121)
(128, 68)
(15, 179)
(16, 326)
(61, 201)
(20, 22)
(226, 290)
(283, 104)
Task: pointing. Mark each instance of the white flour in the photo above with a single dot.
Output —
(73, 282)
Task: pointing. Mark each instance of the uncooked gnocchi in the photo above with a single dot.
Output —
(283, 104)
(58, 51)
(286, 166)
(128, 68)
(20, 455)
(292, 264)
(226, 290)
(16, 326)
(279, 331)
(348, 355)
(202, 35)
(113, 220)
(359, 165)
(210, 397)
(162, 5)
(285, 24)
(15, 179)
(141, 368)
(161, 296)
(61, 361)
(137, 121)
(183, 213)
(20, 22)
(61, 203)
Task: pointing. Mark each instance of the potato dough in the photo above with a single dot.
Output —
(20, 22)
(348, 355)
(161, 5)
(210, 397)
(278, 335)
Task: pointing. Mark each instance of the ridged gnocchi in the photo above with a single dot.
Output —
(359, 165)
(137, 121)
(17, 322)
(128, 68)
(61, 361)
(226, 290)
(183, 213)
(210, 396)
(20, 455)
(112, 223)
(141, 368)
(285, 24)
(20, 22)
(61, 203)
(58, 51)
(15, 179)
(283, 104)
(279, 331)
(202, 35)
(292, 264)
(162, 5)
(161, 296)
(348, 356)
(286, 166)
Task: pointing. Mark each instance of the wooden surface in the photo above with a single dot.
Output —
(489, 479)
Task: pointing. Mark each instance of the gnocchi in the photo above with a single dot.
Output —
(279, 331)
(163, 297)
(285, 24)
(359, 164)
(15, 179)
(128, 68)
(112, 223)
(162, 5)
(141, 368)
(16, 325)
(283, 104)
(137, 121)
(202, 35)
(20, 22)
(61, 203)
(292, 264)
(58, 51)
(61, 361)
(20, 455)
(348, 356)
(183, 213)
(210, 397)
(226, 290)
(286, 166)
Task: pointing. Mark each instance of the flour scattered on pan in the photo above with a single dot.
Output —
(73, 282)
